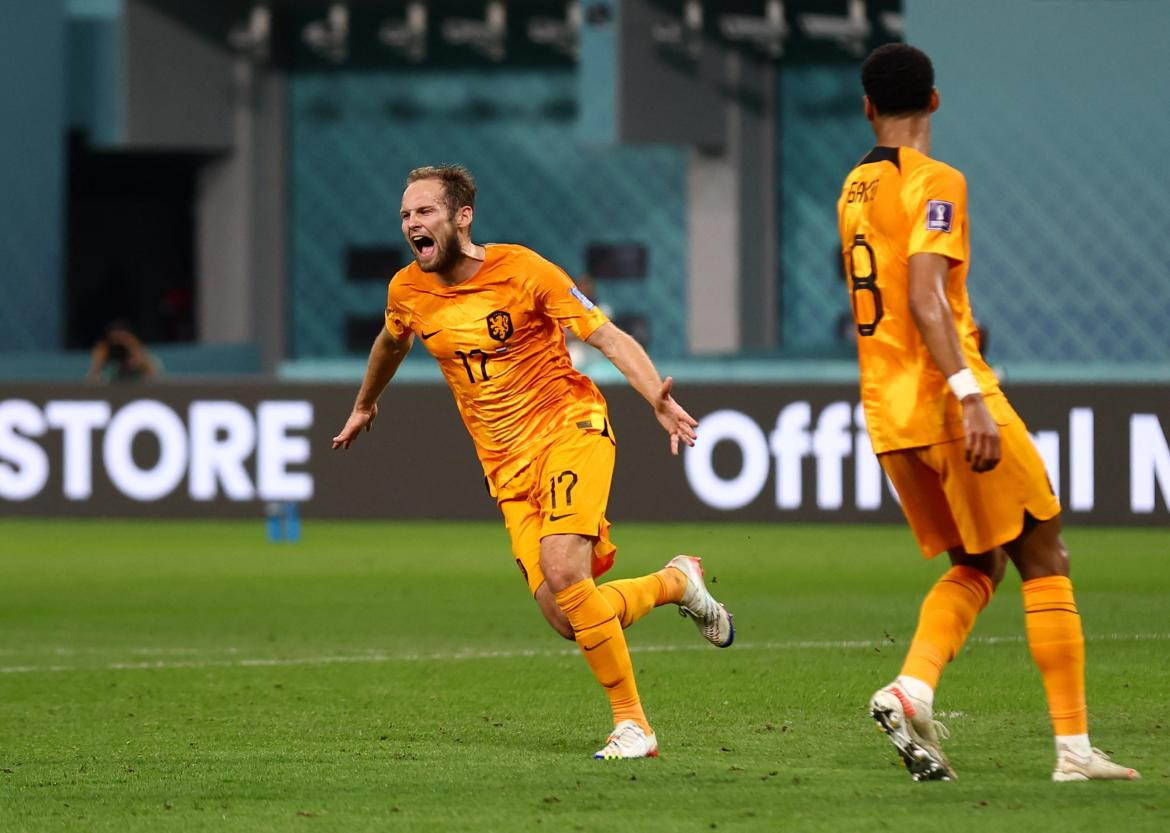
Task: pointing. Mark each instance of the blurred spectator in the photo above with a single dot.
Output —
(120, 356)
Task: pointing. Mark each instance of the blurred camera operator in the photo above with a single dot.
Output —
(120, 356)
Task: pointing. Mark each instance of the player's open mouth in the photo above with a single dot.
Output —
(425, 246)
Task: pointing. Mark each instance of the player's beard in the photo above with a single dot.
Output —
(447, 252)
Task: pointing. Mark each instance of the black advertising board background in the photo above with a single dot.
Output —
(418, 462)
(646, 489)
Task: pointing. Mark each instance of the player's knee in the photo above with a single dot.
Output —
(564, 560)
(1040, 552)
(558, 574)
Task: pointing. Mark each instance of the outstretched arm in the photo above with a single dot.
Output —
(932, 315)
(628, 356)
(385, 356)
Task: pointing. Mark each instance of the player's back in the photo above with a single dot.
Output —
(895, 203)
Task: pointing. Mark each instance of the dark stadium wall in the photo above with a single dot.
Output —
(1058, 113)
(766, 453)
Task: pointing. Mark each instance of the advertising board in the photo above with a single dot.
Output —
(765, 453)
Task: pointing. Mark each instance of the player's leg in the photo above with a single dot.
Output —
(1013, 505)
(1057, 643)
(523, 518)
(633, 598)
(946, 617)
(1053, 625)
(520, 501)
(944, 622)
(680, 582)
(903, 709)
(565, 560)
(967, 514)
(574, 480)
(580, 468)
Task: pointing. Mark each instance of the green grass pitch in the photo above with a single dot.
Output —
(395, 676)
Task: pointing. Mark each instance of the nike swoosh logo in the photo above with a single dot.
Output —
(598, 645)
(425, 336)
(553, 517)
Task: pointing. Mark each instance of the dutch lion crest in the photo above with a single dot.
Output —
(499, 325)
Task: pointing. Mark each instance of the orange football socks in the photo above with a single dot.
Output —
(599, 635)
(1058, 648)
(633, 598)
(946, 618)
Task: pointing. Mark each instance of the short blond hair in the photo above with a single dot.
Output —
(458, 184)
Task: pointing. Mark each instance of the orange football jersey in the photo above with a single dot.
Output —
(499, 339)
(896, 203)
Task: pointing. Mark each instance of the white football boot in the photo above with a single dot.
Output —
(913, 731)
(1097, 767)
(712, 618)
(628, 740)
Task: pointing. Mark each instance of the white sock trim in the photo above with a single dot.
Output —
(1077, 744)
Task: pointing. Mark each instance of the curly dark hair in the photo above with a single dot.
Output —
(458, 184)
(898, 78)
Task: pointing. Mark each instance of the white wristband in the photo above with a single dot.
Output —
(963, 383)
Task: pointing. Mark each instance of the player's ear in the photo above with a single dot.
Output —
(870, 110)
(464, 216)
(933, 100)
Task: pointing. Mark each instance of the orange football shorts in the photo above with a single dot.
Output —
(948, 505)
(564, 490)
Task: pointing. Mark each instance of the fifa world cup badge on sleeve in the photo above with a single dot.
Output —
(939, 214)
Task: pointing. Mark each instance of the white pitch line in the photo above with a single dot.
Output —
(375, 657)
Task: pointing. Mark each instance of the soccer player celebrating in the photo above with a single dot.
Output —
(969, 478)
(494, 317)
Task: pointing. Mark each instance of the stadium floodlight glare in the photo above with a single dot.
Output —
(562, 35)
(685, 33)
(408, 36)
(330, 37)
(850, 30)
(486, 36)
(766, 33)
(252, 39)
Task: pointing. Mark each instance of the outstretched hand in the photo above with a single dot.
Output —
(354, 425)
(678, 423)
